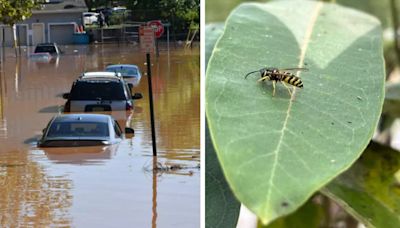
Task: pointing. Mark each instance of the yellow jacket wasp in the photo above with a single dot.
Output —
(280, 75)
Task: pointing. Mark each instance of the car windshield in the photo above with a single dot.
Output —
(50, 49)
(97, 91)
(78, 129)
(125, 71)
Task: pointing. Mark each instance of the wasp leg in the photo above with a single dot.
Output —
(263, 79)
(273, 90)
(290, 92)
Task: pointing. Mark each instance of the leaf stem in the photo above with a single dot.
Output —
(395, 20)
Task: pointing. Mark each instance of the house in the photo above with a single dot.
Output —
(55, 21)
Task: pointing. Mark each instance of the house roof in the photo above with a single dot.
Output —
(62, 6)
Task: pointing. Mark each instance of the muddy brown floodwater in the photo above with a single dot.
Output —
(112, 186)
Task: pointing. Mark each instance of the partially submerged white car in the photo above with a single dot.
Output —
(69, 130)
(130, 73)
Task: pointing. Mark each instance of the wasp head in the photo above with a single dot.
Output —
(269, 70)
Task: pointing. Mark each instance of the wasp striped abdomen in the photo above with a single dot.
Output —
(292, 80)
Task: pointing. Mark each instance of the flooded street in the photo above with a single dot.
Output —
(112, 186)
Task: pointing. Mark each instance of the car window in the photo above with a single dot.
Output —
(78, 129)
(125, 71)
(50, 49)
(98, 91)
(117, 129)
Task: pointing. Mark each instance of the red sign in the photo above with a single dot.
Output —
(158, 27)
(146, 35)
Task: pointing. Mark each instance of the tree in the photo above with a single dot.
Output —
(12, 11)
(183, 14)
(91, 4)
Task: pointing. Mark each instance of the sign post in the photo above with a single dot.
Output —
(147, 44)
(153, 130)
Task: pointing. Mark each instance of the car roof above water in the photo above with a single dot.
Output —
(100, 75)
(82, 117)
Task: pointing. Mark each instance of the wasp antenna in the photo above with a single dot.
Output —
(250, 73)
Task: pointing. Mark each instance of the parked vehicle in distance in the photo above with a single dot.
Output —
(130, 73)
(90, 18)
(99, 92)
(44, 57)
(70, 130)
(50, 48)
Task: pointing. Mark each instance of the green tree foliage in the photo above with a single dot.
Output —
(187, 10)
(12, 11)
(181, 13)
(97, 3)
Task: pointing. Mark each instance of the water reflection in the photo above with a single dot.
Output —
(100, 187)
(154, 199)
(29, 196)
(94, 155)
(3, 121)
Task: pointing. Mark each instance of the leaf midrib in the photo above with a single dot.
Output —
(303, 50)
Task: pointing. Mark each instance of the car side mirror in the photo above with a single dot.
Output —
(137, 96)
(65, 96)
(129, 130)
(130, 85)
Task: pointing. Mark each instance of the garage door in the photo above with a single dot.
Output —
(62, 34)
(22, 33)
(6, 35)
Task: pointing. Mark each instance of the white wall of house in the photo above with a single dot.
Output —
(42, 27)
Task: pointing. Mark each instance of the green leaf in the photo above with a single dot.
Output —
(380, 9)
(308, 216)
(218, 10)
(277, 151)
(370, 190)
(213, 32)
(222, 209)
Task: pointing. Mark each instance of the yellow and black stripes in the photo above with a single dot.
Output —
(292, 80)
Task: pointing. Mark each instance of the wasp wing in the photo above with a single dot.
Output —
(295, 69)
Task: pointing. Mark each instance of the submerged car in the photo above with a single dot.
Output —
(70, 130)
(50, 48)
(99, 92)
(130, 73)
(43, 57)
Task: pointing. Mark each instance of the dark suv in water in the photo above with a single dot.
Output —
(99, 92)
(50, 48)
